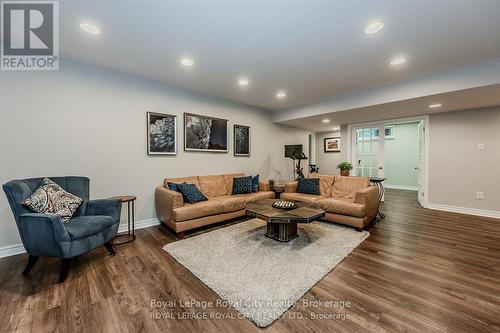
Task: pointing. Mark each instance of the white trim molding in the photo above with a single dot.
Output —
(465, 210)
(12, 250)
(402, 187)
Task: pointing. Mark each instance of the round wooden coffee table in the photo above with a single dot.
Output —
(130, 234)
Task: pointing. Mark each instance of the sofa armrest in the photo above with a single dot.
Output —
(42, 233)
(108, 207)
(264, 186)
(291, 187)
(368, 197)
(166, 201)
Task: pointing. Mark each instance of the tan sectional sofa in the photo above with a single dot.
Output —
(346, 200)
(221, 205)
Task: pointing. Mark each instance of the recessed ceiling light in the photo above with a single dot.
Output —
(187, 62)
(325, 121)
(433, 106)
(398, 61)
(90, 28)
(281, 94)
(374, 27)
(243, 82)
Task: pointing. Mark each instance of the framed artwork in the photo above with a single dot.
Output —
(241, 140)
(332, 145)
(203, 133)
(162, 133)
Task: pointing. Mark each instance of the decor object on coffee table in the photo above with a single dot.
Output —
(344, 167)
(203, 133)
(95, 223)
(241, 140)
(239, 262)
(281, 224)
(162, 134)
(130, 234)
(332, 145)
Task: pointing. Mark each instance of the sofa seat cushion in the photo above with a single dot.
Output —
(261, 195)
(310, 198)
(343, 207)
(346, 187)
(231, 203)
(84, 226)
(212, 186)
(196, 210)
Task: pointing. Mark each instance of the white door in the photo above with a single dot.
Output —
(368, 152)
(420, 167)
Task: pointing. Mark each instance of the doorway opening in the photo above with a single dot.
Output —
(394, 150)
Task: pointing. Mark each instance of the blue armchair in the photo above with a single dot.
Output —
(95, 223)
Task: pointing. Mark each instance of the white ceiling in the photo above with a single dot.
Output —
(314, 50)
(468, 99)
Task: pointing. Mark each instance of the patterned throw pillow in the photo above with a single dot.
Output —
(52, 198)
(191, 193)
(173, 186)
(308, 186)
(255, 183)
(242, 185)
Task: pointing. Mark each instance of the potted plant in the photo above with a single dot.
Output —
(344, 168)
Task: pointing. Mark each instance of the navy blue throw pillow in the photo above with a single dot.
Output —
(255, 183)
(191, 193)
(242, 185)
(173, 186)
(308, 186)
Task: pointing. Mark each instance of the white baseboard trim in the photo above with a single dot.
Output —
(465, 210)
(12, 250)
(139, 224)
(402, 187)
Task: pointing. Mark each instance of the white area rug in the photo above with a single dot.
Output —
(258, 276)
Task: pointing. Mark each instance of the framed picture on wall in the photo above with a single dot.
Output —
(203, 133)
(332, 145)
(241, 135)
(162, 134)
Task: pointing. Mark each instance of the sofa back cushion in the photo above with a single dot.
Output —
(325, 183)
(228, 181)
(212, 186)
(346, 187)
(308, 186)
(189, 180)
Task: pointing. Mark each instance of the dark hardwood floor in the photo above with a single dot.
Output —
(420, 270)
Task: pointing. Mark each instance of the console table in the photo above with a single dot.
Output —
(379, 182)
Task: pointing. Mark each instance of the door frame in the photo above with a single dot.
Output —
(425, 172)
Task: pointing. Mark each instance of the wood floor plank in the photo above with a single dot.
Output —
(419, 271)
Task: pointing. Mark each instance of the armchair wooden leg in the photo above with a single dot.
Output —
(65, 263)
(180, 235)
(31, 262)
(109, 246)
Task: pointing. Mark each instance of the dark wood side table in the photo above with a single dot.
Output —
(130, 235)
(379, 182)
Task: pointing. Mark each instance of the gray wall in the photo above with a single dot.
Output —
(83, 120)
(327, 162)
(457, 170)
(401, 156)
